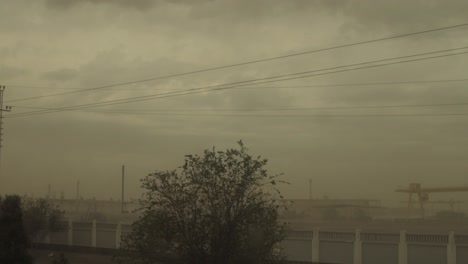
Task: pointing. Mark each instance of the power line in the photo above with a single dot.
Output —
(255, 109)
(267, 80)
(293, 74)
(252, 62)
(203, 89)
(102, 90)
(280, 87)
(276, 115)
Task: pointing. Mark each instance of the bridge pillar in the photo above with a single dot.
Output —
(70, 233)
(451, 249)
(403, 249)
(118, 235)
(93, 234)
(357, 247)
(316, 245)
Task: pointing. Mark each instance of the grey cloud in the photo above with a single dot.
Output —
(8, 52)
(121, 68)
(64, 4)
(367, 15)
(62, 75)
(390, 16)
(9, 73)
(91, 46)
(137, 4)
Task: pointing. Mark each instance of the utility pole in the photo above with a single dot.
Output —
(6, 109)
(77, 201)
(310, 189)
(123, 182)
(78, 190)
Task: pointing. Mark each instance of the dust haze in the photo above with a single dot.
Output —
(54, 46)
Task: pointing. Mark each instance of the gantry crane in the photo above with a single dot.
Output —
(422, 194)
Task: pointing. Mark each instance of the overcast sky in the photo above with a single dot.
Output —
(52, 46)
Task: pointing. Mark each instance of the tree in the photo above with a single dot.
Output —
(219, 207)
(14, 242)
(40, 217)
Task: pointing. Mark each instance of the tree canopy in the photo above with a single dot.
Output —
(22, 221)
(40, 217)
(219, 207)
(14, 242)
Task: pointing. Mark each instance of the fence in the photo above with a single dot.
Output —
(309, 246)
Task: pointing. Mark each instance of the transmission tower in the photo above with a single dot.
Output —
(6, 109)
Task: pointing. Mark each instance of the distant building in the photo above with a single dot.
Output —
(100, 210)
(324, 209)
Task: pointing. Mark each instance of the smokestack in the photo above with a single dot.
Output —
(310, 189)
(78, 190)
(123, 182)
